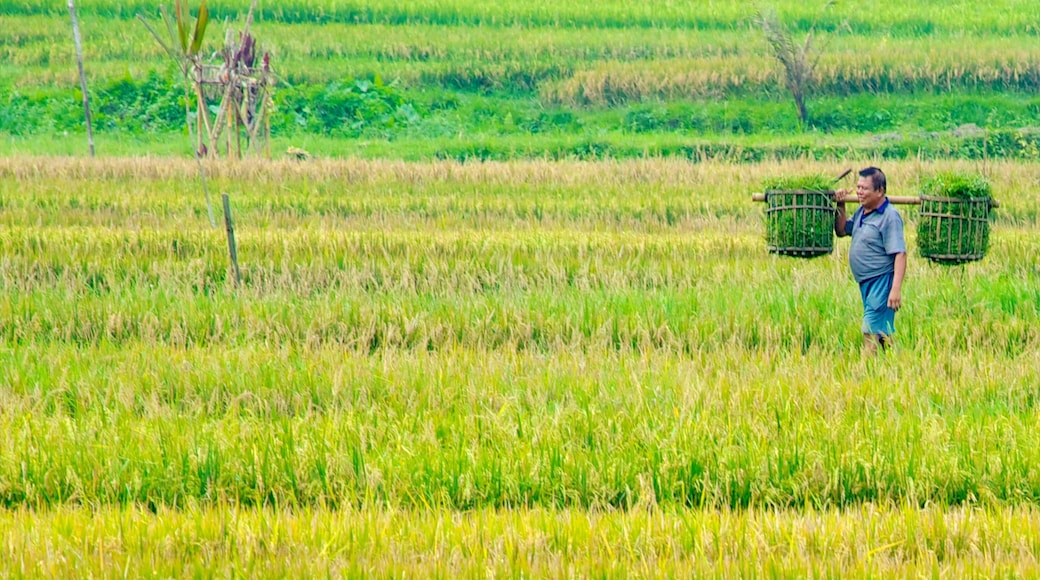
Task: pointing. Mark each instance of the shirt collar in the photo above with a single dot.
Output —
(879, 210)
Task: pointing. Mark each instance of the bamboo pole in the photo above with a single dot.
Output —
(201, 106)
(238, 133)
(898, 200)
(82, 75)
(221, 120)
(230, 130)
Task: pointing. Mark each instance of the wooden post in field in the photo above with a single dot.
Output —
(82, 75)
(231, 240)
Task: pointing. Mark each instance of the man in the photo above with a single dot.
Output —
(877, 256)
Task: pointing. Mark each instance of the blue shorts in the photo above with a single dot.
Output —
(878, 318)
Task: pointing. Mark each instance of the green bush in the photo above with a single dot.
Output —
(154, 102)
(800, 216)
(351, 108)
(954, 224)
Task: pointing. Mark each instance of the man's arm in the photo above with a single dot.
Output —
(839, 216)
(895, 297)
(895, 245)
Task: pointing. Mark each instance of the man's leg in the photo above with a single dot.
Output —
(878, 319)
(885, 340)
(869, 345)
(872, 343)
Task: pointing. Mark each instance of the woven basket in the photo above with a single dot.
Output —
(953, 230)
(800, 223)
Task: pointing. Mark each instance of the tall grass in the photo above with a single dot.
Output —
(868, 541)
(289, 425)
(545, 335)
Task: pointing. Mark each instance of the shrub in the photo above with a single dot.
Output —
(351, 108)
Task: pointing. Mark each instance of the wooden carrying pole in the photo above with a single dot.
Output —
(899, 200)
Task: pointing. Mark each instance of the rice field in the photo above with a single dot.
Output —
(867, 541)
(542, 80)
(523, 368)
(592, 65)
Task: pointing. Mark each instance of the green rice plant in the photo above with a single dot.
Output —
(580, 359)
(406, 329)
(800, 216)
(231, 541)
(954, 224)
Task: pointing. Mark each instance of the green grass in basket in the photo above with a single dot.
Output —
(954, 235)
(800, 228)
(957, 185)
(801, 182)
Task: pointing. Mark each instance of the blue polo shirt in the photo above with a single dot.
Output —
(876, 239)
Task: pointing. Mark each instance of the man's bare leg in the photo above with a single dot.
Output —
(869, 345)
(872, 342)
(885, 341)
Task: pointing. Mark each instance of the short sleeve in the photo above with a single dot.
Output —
(892, 234)
(850, 224)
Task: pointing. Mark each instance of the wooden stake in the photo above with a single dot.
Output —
(231, 240)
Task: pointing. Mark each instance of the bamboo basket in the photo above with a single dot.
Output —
(953, 230)
(800, 223)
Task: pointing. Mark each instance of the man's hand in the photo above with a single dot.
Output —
(839, 215)
(895, 299)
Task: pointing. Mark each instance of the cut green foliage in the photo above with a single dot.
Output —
(957, 185)
(954, 224)
(800, 215)
(813, 182)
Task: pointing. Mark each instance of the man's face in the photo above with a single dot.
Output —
(869, 197)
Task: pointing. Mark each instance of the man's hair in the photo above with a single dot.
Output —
(877, 178)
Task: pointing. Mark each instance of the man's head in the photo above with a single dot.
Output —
(871, 188)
